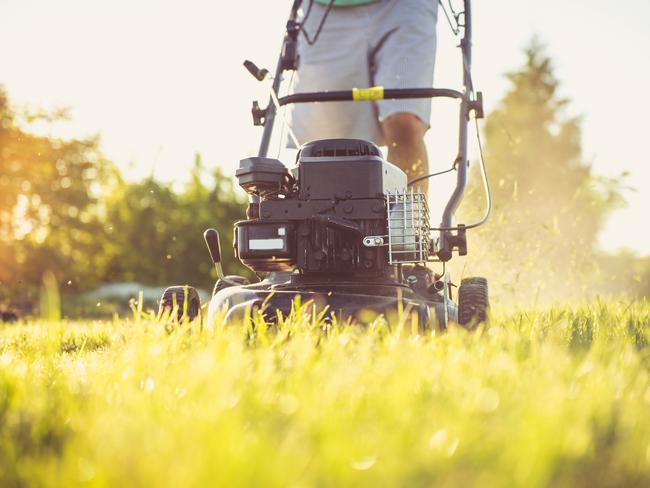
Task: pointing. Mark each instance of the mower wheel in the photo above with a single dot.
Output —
(184, 299)
(473, 303)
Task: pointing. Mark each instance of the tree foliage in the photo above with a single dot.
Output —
(548, 205)
(65, 209)
(49, 195)
(162, 229)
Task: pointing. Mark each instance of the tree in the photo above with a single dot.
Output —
(154, 235)
(49, 193)
(548, 206)
(65, 209)
(625, 273)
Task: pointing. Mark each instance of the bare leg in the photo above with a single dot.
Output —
(404, 136)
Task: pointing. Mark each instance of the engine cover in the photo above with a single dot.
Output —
(346, 168)
(338, 196)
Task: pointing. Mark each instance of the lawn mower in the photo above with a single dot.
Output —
(344, 230)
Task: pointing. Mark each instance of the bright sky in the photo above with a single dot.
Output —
(162, 79)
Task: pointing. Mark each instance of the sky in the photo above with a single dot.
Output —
(160, 80)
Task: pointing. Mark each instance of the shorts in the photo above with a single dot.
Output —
(389, 43)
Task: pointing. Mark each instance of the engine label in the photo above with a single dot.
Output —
(265, 244)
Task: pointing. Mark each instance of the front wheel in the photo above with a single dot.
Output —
(473, 302)
(183, 301)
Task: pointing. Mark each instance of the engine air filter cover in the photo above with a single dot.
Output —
(323, 148)
(264, 177)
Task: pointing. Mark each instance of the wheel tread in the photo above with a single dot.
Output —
(473, 301)
(193, 306)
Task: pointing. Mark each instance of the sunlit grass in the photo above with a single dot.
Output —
(559, 397)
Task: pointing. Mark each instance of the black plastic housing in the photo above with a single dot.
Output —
(339, 147)
(266, 245)
(263, 177)
(338, 198)
(340, 169)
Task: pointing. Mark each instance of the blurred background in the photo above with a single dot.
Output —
(121, 125)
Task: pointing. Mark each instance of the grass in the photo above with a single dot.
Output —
(559, 397)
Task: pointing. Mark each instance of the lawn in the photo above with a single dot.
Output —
(555, 397)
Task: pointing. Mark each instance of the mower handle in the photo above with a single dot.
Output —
(288, 62)
(373, 93)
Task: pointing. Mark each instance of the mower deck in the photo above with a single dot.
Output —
(343, 299)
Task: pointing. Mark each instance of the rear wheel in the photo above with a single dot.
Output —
(473, 302)
(183, 300)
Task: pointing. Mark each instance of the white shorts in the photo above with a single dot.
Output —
(389, 43)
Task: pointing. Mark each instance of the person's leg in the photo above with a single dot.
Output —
(403, 57)
(337, 61)
(404, 136)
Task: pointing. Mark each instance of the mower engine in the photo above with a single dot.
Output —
(339, 230)
(342, 211)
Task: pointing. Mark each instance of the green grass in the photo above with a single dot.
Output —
(543, 398)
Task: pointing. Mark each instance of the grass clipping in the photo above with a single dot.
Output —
(557, 397)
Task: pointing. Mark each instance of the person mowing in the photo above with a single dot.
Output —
(364, 43)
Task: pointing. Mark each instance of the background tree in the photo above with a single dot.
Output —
(49, 190)
(155, 234)
(548, 206)
(64, 208)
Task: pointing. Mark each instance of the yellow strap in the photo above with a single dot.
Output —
(372, 93)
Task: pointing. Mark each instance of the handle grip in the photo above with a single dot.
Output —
(258, 74)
